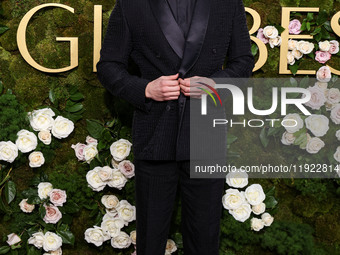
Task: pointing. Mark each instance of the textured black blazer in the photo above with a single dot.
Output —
(146, 31)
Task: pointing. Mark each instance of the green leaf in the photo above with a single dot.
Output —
(294, 68)
(31, 250)
(271, 192)
(10, 191)
(42, 211)
(71, 207)
(34, 200)
(3, 29)
(1, 87)
(67, 236)
(75, 108)
(325, 34)
(310, 16)
(318, 37)
(304, 82)
(254, 49)
(300, 139)
(94, 128)
(303, 26)
(4, 249)
(327, 26)
(264, 138)
(51, 96)
(231, 138)
(322, 17)
(316, 31)
(280, 29)
(270, 202)
(308, 26)
(77, 96)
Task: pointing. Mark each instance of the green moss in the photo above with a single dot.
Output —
(307, 207)
(328, 227)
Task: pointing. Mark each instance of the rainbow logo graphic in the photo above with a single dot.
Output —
(209, 93)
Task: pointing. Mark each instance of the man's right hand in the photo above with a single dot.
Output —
(163, 88)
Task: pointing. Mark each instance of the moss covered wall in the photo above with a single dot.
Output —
(32, 87)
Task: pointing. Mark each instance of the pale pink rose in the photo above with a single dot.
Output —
(333, 96)
(79, 150)
(58, 197)
(324, 74)
(261, 36)
(317, 99)
(127, 168)
(322, 56)
(25, 207)
(294, 27)
(53, 215)
(90, 140)
(334, 49)
(335, 114)
(13, 239)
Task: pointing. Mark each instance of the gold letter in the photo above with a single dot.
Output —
(97, 40)
(21, 41)
(336, 28)
(263, 52)
(285, 36)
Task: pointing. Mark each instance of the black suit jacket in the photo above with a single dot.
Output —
(147, 32)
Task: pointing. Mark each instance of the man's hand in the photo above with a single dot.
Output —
(192, 87)
(163, 88)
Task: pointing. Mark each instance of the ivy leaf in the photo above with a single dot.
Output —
(270, 202)
(74, 108)
(4, 249)
(308, 26)
(294, 68)
(303, 26)
(264, 138)
(316, 31)
(310, 16)
(67, 236)
(10, 191)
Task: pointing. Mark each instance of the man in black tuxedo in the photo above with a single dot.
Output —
(172, 41)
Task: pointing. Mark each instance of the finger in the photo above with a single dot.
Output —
(166, 83)
(170, 89)
(171, 98)
(172, 93)
(171, 77)
(185, 89)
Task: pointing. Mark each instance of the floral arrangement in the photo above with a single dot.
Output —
(240, 204)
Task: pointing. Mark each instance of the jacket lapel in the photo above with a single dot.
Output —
(169, 26)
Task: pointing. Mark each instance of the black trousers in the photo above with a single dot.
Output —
(156, 185)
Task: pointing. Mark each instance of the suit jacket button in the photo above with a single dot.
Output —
(168, 107)
(214, 50)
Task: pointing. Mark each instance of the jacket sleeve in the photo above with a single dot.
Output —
(112, 68)
(240, 61)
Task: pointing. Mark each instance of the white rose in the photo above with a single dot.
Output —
(133, 236)
(324, 46)
(13, 239)
(90, 151)
(293, 122)
(270, 32)
(62, 127)
(56, 252)
(333, 96)
(321, 85)
(232, 199)
(118, 180)
(94, 181)
(290, 58)
(111, 212)
(45, 136)
(292, 44)
(121, 241)
(41, 119)
(305, 47)
(237, 179)
(259, 209)
(44, 188)
(254, 194)
(110, 201)
(287, 138)
(96, 236)
(275, 41)
(267, 219)
(58, 197)
(109, 216)
(126, 211)
(120, 149)
(37, 239)
(114, 163)
(335, 114)
(52, 242)
(8, 151)
(314, 145)
(26, 141)
(317, 124)
(324, 74)
(36, 159)
(242, 213)
(337, 134)
(337, 154)
(105, 173)
(170, 246)
(317, 99)
(25, 207)
(256, 224)
(334, 47)
(297, 54)
(112, 226)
